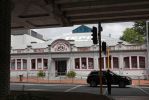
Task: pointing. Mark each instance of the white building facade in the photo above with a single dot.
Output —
(76, 52)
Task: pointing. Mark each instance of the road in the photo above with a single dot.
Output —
(128, 91)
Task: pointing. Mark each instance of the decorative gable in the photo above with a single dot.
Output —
(60, 45)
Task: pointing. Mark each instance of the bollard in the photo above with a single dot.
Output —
(21, 78)
(138, 80)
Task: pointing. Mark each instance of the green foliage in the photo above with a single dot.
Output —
(41, 74)
(71, 74)
(136, 34)
(140, 27)
(132, 36)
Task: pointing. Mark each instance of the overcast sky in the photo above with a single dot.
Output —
(115, 29)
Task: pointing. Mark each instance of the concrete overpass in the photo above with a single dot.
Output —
(55, 13)
(27, 14)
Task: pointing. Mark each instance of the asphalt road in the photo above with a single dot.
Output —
(116, 91)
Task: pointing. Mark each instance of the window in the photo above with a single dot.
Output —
(24, 64)
(33, 64)
(77, 63)
(134, 61)
(83, 63)
(90, 63)
(39, 63)
(126, 62)
(115, 62)
(45, 63)
(102, 62)
(12, 64)
(141, 62)
(19, 64)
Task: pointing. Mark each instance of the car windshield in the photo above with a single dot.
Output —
(112, 73)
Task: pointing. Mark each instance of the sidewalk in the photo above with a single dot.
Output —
(70, 81)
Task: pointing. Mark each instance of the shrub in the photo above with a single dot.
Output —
(71, 74)
(41, 74)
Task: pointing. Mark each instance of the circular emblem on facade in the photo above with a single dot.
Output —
(60, 46)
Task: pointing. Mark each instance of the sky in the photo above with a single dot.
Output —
(115, 29)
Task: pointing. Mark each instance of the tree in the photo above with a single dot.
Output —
(140, 27)
(136, 34)
(132, 36)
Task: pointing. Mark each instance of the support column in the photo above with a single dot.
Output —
(5, 30)
(121, 64)
(147, 35)
(130, 63)
(138, 63)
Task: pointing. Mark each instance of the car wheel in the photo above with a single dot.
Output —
(122, 84)
(93, 84)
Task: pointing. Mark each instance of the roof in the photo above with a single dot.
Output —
(82, 29)
(22, 41)
(83, 39)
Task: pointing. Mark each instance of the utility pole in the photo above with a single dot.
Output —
(96, 36)
(100, 63)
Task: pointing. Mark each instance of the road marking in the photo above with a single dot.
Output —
(68, 90)
(36, 89)
(143, 90)
(30, 84)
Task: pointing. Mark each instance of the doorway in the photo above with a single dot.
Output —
(61, 67)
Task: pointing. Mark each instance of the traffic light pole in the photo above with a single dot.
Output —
(100, 63)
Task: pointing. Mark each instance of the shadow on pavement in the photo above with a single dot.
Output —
(43, 95)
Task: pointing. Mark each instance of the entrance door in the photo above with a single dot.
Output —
(61, 67)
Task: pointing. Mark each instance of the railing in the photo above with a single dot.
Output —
(42, 50)
(62, 78)
(134, 47)
(49, 78)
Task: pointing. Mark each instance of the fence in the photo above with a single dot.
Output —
(62, 78)
(49, 78)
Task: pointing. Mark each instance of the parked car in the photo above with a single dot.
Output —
(121, 81)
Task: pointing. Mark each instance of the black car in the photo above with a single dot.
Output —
(122, 81)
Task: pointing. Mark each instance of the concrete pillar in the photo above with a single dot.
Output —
(5, 30)
(96, 65)
(121, 64)
(138, 63)
(130, 63)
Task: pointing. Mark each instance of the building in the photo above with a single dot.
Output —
(76, 52)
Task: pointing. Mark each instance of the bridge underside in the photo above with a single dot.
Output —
(56, 13)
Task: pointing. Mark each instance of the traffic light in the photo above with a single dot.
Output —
(94, 35)
(104, 47)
